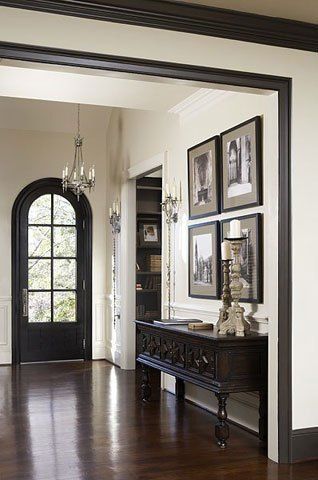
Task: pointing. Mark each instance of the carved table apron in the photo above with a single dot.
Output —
(221, 364)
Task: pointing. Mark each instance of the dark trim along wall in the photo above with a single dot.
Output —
(184, 17)
(304, 444)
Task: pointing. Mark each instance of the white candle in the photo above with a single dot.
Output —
(110, 212)
(174, 190)
(93, 172)
(63, 174)
(226, 250)
(235, 229)
(66, 171)
(74, 176)
(114, 207)
(82, 170)
(90, 174)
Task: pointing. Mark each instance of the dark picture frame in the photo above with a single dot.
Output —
(241, 166)
(252, 256)
(204, 272)
(149, 234)
(203, 178)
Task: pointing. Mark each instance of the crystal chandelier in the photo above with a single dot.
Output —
(76, 179)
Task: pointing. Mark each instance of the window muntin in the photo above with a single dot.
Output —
(52, 260)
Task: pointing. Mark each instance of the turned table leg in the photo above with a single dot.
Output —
(262, 416)
(180, 390)
(145, 384)
(222, 428)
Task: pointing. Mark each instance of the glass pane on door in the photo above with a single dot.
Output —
(39, 241)
(65, 274)
(40, 211)
(39, 307)
(39, 274)
(64, 213)
(64, 307)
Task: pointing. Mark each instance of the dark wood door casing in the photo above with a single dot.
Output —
(195, 73)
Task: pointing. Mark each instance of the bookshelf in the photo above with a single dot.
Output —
(148, 254)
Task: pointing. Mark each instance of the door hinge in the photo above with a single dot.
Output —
(84, 343)
(84, 285)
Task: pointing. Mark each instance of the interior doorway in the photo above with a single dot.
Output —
(149, 246)
(51, 275)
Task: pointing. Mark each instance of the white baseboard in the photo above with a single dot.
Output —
(112, 353)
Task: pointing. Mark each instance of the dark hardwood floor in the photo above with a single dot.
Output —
(76, 421)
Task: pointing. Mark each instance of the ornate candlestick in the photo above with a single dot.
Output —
(236, 323)
(170, 207)
(226, 294)
(114, 220)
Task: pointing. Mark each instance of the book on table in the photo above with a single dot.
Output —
(176, 321)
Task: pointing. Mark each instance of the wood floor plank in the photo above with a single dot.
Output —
(83, 421)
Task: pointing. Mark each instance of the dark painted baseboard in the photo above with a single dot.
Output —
(304, 444)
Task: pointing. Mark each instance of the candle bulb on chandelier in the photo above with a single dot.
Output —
(174, 190)
(110, 212)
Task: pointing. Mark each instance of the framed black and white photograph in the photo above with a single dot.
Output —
(203, 178)
(251, 256)
(149, 235)
(241, 153)
(204, 265)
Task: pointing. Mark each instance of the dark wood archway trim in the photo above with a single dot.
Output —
(16, 289)
(185, 17)
(281, 85)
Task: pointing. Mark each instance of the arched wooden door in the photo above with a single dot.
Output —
(52, 274)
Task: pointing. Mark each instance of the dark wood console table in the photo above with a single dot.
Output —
(221, 364)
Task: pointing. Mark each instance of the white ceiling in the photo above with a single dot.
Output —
(304, 11)
(62, 85)
(43, 116)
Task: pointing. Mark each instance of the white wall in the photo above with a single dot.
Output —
(163, 132)
(110, 38)
(26, 156)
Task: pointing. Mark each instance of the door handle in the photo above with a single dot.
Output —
(25, 302)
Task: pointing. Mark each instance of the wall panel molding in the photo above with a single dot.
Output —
(5, 330)
(99, 326)
(182, 17)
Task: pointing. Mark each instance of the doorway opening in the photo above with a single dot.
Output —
(149, 246)
(51, 274)
(203, 76)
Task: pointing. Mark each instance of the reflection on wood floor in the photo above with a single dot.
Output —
(76, 421)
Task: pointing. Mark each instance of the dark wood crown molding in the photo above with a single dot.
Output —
(184, 17)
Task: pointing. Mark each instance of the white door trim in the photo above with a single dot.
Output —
(128, 253)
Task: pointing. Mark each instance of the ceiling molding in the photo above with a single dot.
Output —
(198, 102)
(185, 17)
